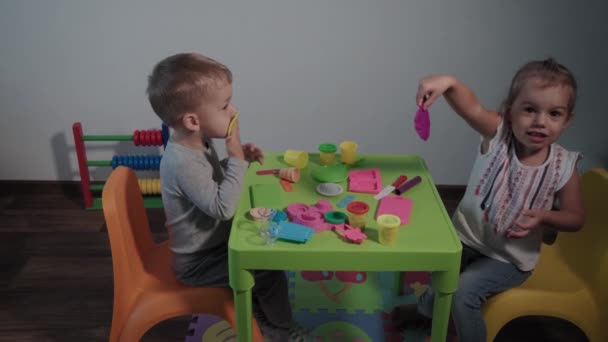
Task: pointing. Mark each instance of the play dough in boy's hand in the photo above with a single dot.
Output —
(422, 123)
(231, 124)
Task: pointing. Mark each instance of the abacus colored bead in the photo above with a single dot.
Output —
(136, 140)
(149, 186)
(159, 138)
(148, 137)
(137, 162)
(147, 140)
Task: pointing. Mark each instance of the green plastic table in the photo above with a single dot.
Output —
(428, 243)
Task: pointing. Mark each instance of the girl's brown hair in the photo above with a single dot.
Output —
(549, 73)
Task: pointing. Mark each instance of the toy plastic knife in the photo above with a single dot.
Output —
(408, 185)
(267, 172)
(387, 190)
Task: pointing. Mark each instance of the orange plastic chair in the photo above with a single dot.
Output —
(571, 278)
(145, 288)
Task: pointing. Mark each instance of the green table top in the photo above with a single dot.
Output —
(428, 242)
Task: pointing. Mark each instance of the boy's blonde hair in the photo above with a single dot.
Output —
(179, 84)
(550, 73)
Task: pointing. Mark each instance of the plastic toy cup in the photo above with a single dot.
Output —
(348, 152)
(272, 234)
(296, 158)
(262, 217)
(357, 214)
(388, 227)
(328, 153)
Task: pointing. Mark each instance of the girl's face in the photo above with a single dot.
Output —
(539, 115)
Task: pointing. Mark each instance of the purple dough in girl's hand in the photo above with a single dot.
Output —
(422, 123)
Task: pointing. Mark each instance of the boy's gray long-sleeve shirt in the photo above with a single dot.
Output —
(199, 196)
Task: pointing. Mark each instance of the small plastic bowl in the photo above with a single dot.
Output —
(329, 189)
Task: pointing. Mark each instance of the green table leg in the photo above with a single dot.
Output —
(399, 282)
(243, 315)
(441, 316)
(445, 284)
(242, 282)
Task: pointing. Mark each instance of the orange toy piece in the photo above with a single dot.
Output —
(570, 279)
(286, 185)
(146, 291)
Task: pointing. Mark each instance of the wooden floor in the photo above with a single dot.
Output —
(56, 271)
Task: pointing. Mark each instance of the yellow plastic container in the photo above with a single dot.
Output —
(296, 158)
(327, 154)
(357, 214)
(388, 227)
(348, 152)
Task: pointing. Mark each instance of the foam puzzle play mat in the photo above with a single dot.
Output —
(337, 306)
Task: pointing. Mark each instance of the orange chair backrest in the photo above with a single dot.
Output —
(128, 227)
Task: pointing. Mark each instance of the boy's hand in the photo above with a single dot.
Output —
(253, 153)
(233, 143)
(530, 219)
(430, 88)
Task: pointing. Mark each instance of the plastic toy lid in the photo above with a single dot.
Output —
(389, 220)
(330, 174)
(328, 148)
(335, 217)
(357, 207)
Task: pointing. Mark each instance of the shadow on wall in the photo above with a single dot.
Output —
(591, 162)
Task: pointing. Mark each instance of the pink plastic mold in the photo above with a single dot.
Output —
(350, 233)
(396, 205)
(310, 215)
(365, 181)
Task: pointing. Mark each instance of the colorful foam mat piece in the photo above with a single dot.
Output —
(337, 306)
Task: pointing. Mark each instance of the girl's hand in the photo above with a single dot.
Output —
(430, 88)
(530, 219)
(253, 153)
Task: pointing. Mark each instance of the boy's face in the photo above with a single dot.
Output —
(217, 111)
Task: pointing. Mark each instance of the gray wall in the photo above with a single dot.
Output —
(305, 71)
